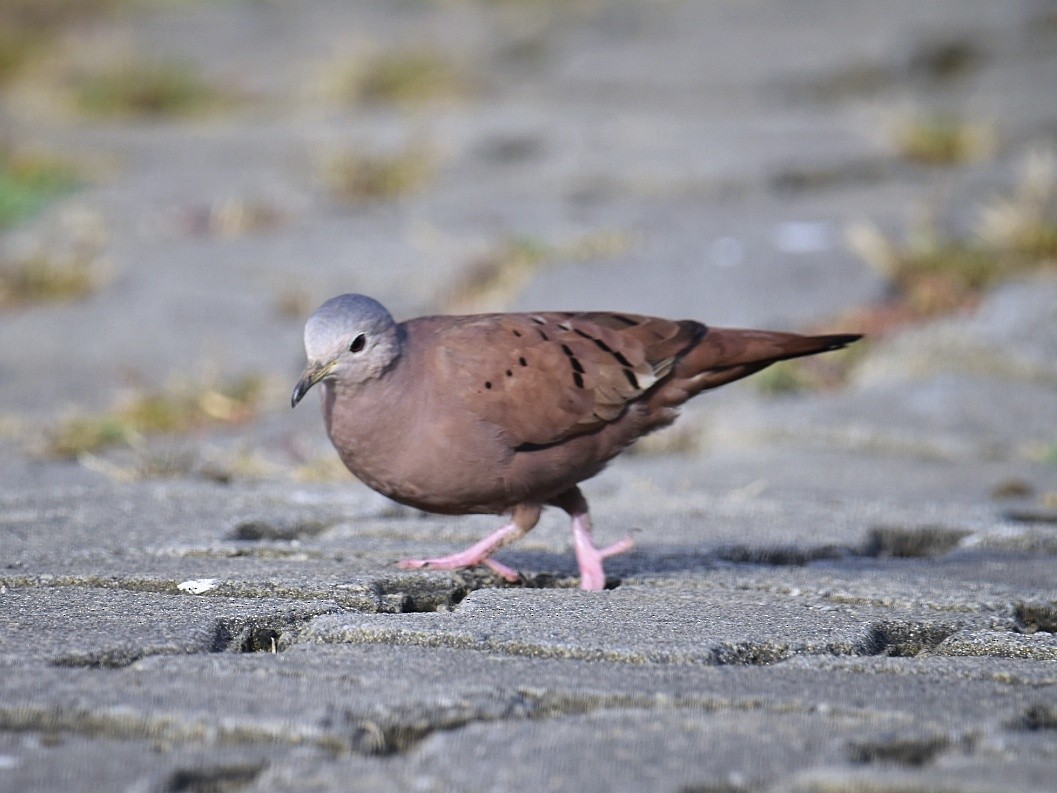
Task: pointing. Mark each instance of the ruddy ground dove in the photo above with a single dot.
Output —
(506, 413)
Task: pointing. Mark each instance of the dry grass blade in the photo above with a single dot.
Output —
(360, 178)
(177, 410)
(1026, 222)
(943, 140)
(27, 27)
(42, 280)
(407, 78)
(492, 279)
(808, 375)
(934, 273)
(137, 88)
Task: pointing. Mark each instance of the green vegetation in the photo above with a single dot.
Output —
(935, 273)
(943, 139)
(177, 410)
(326, 468)
(358, 178)
(143, 89)
(784, 377)
(133, 88)
(40, 279)
(87, 434)
(27, 26)
(29, 181)
(16, 47)
(499, 274)
(410, 77)
(934, 62)
(815, 373)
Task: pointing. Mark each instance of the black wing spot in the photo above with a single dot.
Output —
(565, 326)
(574, 362)
(605, 347)
(631, 378)
(509, 373)
(517, 333)
(522, 361)
(626, 320)
(538, 320)
(543, 335)
(487, 383)
(602, 345)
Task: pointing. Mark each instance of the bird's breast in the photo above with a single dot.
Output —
(435, 460)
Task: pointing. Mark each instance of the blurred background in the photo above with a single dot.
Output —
(183, 181)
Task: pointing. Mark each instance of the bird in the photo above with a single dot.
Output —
(507, 413)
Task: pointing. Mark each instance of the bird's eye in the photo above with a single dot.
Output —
(358, 343)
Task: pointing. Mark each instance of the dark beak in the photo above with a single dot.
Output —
(312, 374)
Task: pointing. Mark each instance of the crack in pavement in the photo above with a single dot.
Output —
(343, 730)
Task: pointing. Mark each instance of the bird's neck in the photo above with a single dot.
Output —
(326, 401)
(366, 400)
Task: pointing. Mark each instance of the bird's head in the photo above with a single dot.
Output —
(349, 339)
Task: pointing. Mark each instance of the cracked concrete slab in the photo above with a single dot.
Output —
(688, 625)
(80, 626)
(56, 761)
(347, 698)
(675, 751)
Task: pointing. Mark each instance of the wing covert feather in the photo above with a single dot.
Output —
(544, 377)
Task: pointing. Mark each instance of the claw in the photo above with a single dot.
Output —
(415, 564)
(504, 572)
(620, 546)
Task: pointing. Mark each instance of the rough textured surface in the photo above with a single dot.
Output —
(830, 593)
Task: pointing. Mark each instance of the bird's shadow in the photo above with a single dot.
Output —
(879, 547)
(538, 567)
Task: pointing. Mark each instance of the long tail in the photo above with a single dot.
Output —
(726, 354)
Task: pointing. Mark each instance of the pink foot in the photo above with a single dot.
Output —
(476, 554)
(592, 575)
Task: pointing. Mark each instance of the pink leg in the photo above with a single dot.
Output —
(592, 576)
(589, 558)
(524, 519)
